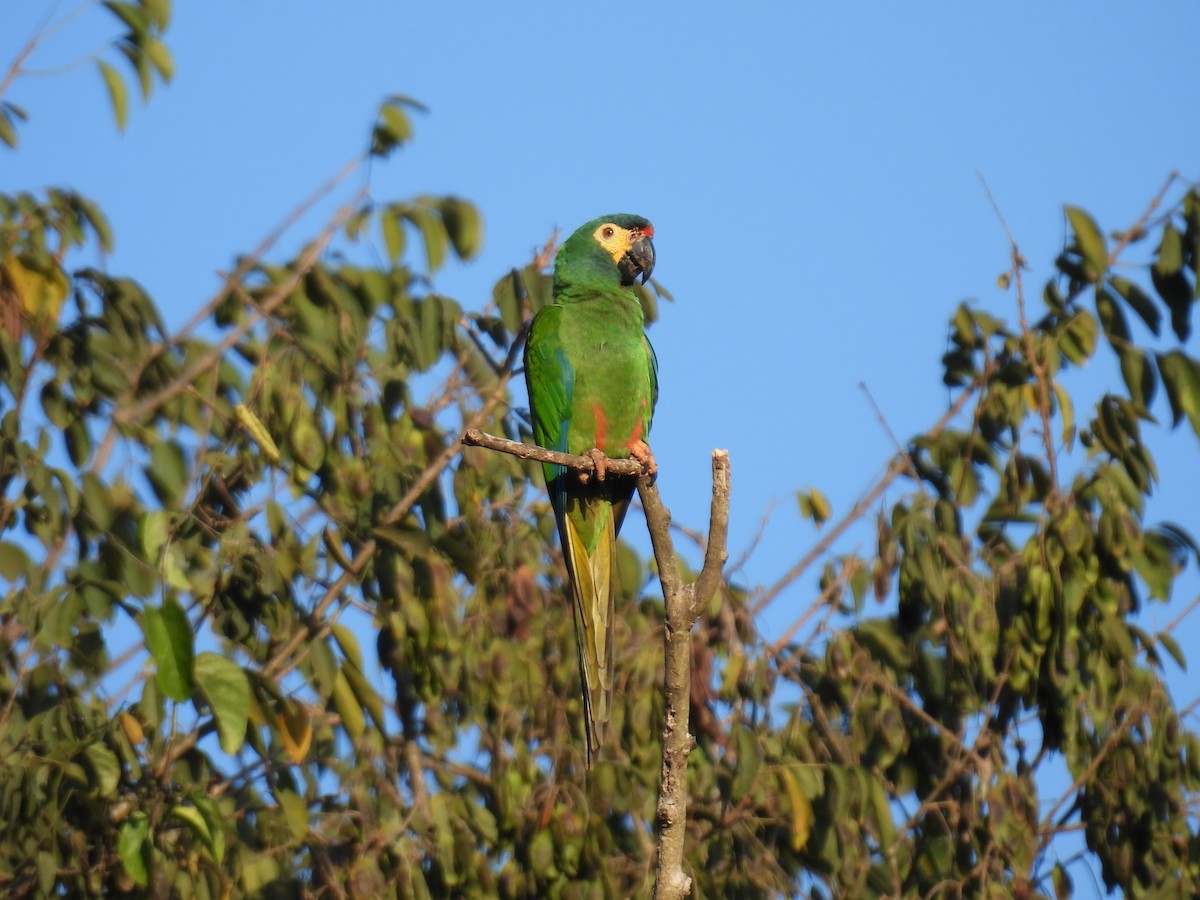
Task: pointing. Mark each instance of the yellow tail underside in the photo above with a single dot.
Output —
(593, 584)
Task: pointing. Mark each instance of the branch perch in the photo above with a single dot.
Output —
(475, 438)
(684, 600)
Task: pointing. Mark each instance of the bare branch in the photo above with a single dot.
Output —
(476, 438)
(718, 532)
(683, 600)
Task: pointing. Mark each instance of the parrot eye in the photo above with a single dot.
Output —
(608, 231)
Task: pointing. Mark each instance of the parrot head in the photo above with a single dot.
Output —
(619, 240)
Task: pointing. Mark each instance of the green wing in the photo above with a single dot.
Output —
(587, 520)
(653, 381)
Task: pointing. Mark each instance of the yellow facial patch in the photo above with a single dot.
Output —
(615, 239)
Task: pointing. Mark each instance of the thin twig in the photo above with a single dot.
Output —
(1044, 382)
(1135, 230)
(901, 450)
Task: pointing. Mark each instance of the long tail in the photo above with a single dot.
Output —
(594, 581)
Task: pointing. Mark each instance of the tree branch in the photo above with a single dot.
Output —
(683, 600)
(475, 438)
(683, 603)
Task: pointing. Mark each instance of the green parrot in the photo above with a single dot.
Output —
(593, 382)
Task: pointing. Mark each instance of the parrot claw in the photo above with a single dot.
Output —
(599, 464)
(640, 451)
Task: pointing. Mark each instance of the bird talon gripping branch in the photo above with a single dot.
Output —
(599, 466)
(640, 451)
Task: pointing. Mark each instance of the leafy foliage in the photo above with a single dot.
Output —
(197, 530)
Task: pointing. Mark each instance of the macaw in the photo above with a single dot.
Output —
(593, 383)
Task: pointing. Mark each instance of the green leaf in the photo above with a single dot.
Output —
(1139, 378)
(1077, 340)
(484, 822)
(1066, 409)
(136, 54)
(433, 235)
(1171, 284)
(215, 820)
(152, 703)
(1090, 242)
(463, 225)
(55, 405)
(444, 835)
(1139, 301)
(881, 807)
(348, 708)
(160, 57)
(397, 123)
(106, 769)
(1112, 320)
(8, 130)
(295, 812)
(15, 563)
(295, 730)
(321, 663)
(800, 808)
(541, 853)
(508, 294)
(117, 93)
(225, 686)
(365, 696)
(192, 816)
(158, 12)
(392, 224)
(1170, 251)
(347, 643)
(79, 442)
(133, 847)
(129, 13)
(814, 505)
(175, 569)
(153, 529)
(308, 444)
(169, 640)
(1172, 646)
(206, 822)
(749, 763)
(167, 472)
(392, 130)
(1181, 377)
(47, 872)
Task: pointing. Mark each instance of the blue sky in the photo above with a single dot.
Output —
(812, 172)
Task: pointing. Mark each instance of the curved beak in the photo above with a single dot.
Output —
(638, 260)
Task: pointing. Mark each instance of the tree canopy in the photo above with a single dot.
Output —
(269, 628)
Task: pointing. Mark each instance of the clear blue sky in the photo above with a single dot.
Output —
(811, 171)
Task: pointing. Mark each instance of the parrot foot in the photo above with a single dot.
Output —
(640, 451)
(600, 464)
